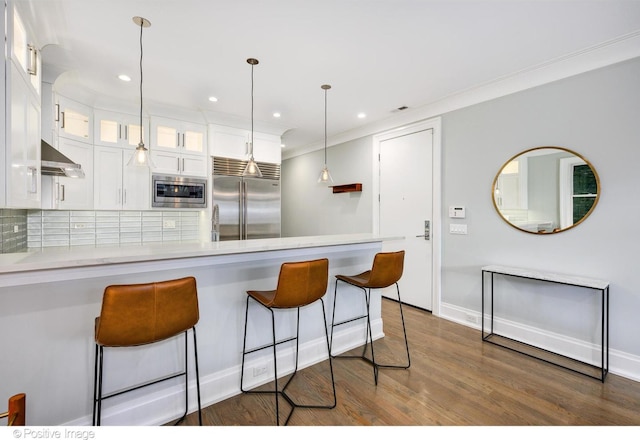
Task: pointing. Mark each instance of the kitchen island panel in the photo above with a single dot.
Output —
(49, 317)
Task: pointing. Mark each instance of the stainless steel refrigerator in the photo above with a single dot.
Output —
(244, 208)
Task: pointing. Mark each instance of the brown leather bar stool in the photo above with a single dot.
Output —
(299, 284)
(386, 271)
(16, 413)
(140, 314)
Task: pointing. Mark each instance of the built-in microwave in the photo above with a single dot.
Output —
(178, 192)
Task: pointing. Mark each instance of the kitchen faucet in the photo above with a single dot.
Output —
(215, 223)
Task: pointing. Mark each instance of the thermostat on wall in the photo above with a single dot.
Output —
(456, 211)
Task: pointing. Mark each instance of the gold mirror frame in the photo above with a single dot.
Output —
(532, 153)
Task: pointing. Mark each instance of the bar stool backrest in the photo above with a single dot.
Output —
(387, 269)
(17, 411)
(301, 283)
(138, 314)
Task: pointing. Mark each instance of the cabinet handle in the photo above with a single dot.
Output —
(62, 125)
(34, 180)
(177, 139)
(126, 132)
(62, 198)
(124, 197)
(57, 112)
(183, 164)
(33, 60)
(183, 139)
(119, 131)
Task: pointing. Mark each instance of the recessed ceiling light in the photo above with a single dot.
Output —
(213, 99)
(282, 145)
(361, 115)
(276, 115)
(123, 77)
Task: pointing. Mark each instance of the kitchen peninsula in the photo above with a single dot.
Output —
(50, 298)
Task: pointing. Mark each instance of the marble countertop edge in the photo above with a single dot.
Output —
(79, 256)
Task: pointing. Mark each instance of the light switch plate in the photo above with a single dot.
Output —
(457, 228)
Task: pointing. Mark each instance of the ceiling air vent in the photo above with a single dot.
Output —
(399, 109)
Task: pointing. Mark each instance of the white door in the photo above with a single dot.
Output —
(406, 194)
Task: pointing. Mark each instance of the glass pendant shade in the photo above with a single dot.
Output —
(325, 176)
(252, 169)
(141, 157)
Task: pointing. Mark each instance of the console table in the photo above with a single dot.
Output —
(598, 286)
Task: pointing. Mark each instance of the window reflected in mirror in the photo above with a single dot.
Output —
(546, 190)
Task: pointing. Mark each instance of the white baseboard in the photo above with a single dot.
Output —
(620, 363)
(167, 404)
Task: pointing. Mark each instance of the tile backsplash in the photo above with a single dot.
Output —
(104, 228)
(13, 226)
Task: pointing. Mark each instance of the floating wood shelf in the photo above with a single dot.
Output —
(350, 187)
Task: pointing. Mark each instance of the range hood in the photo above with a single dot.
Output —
(54, 163)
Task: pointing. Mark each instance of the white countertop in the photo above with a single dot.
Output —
(47, 259)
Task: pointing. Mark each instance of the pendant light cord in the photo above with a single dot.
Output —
(325, 127)
(141, 26)
(252, 111)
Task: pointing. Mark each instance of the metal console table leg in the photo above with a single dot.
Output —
(490, 335)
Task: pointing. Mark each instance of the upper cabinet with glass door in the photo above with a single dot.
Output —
(24, 51)
(113, 129)
(74, 120)
(179, 136)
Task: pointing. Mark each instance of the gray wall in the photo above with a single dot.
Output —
(310, 208)
(595, 114)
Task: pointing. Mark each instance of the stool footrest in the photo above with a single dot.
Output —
(348, 320)
(146, 384)
(269, 345)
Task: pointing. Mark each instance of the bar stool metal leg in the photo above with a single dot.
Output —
(387, 269)
(312, 275)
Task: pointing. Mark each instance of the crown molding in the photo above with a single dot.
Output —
(607, 53)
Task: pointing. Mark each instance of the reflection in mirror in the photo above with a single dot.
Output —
(546, 190)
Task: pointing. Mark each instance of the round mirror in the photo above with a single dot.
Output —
(546, 190)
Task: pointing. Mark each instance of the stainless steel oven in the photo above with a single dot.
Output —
(178, 192)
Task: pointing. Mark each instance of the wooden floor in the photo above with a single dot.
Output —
(455, 379)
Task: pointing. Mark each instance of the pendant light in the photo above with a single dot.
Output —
(252, 169)
(325, 176)
(141, 157)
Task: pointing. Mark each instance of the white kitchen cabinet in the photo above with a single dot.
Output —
(174, 135)
(74, 120)
(71, 192)
(234, 143)
(176, 163)
(267, 148)
(117, 185)
(20, 127)
(24, 51)
(178, 147)
(229, 142)
(114, 129)
(22, 173)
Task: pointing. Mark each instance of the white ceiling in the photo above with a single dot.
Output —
(377, 55)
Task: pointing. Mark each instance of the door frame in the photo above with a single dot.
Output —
(436, 200)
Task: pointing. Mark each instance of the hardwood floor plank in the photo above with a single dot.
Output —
(455, 379)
